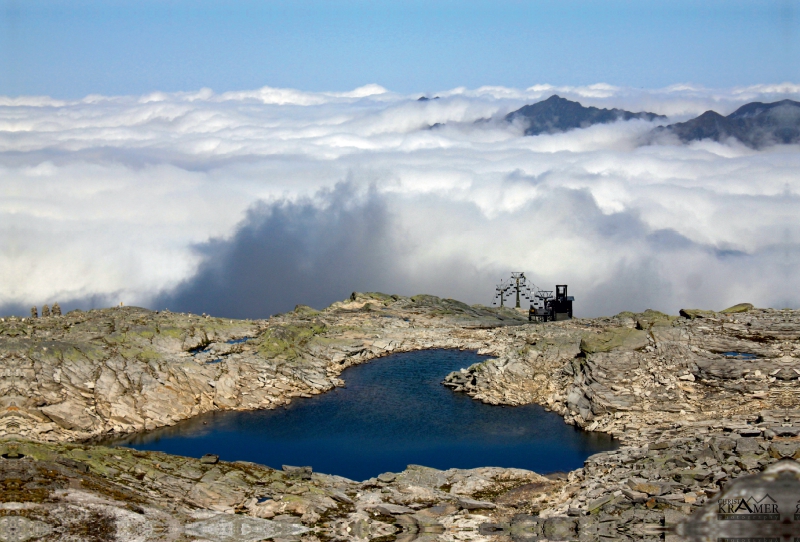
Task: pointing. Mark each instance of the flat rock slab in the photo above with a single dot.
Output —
(393, 509)
(523, 494)
(470, 504)
(303, 473)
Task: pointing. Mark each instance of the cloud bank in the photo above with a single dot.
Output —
(247, 203)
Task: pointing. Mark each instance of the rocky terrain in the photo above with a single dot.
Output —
(696, 400)
(90, 374)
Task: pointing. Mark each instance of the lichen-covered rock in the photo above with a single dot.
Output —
(621, 338)
(741, 307)
(696, 313)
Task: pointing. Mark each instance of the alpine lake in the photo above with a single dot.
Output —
(392, 412)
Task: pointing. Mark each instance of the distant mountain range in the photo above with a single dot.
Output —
(756, 125)
(557, 114)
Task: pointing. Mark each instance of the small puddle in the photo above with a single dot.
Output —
(199, 349)
(203, 349)
(12, 456)
(739, 355)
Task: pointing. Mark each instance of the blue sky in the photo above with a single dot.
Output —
(71, 49)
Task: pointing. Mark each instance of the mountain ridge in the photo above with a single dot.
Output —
(557, 114)
(756, 125)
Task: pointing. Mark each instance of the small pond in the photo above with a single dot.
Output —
(739, 355)
(393, 411)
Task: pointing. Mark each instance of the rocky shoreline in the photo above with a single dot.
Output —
(696, 400)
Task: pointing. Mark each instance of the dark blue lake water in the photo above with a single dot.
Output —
(393, 412)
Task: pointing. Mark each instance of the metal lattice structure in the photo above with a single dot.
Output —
(544, 305)
(540, 307)
(500, 292)
(520, 286)
(549, 307)
(516, 288)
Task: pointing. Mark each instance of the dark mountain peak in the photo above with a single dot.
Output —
(705, 126)
(557, 114)
(710, 116)
(756, 124)
(755, 109)
(555, 98)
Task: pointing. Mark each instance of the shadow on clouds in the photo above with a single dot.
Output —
(317, 250)
(287, 253)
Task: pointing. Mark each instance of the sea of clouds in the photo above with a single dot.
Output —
(247, 203)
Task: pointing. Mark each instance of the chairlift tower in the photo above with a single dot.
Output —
(518, 287)
(501, 290)
(544, 306)
(519, 282)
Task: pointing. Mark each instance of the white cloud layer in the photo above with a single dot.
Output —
(112, 198)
